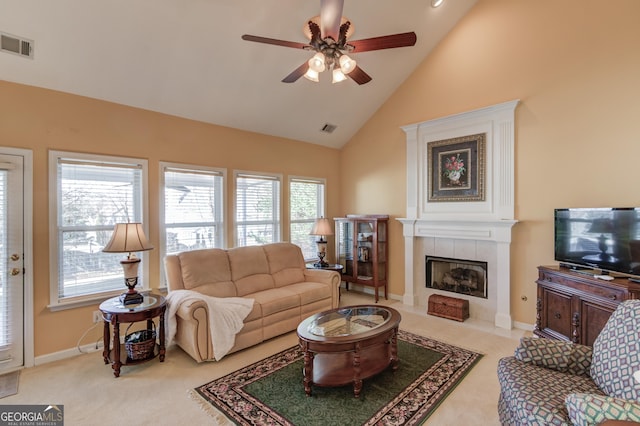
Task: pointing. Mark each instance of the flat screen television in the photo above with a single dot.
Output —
(599, 238)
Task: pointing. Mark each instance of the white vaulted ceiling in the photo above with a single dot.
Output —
(186, 58)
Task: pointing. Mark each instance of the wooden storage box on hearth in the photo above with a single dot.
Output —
(448, 307)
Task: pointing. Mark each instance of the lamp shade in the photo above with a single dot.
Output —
(322, 227)
(347, 64)
(317, 62)
(338, 76)
(311, 75)
(127, 238)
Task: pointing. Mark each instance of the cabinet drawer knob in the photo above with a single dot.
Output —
(613, 297)
(557, 315)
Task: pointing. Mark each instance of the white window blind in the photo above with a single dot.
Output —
(92, 194)
(306, 204)
(257, 201)
(193, 209)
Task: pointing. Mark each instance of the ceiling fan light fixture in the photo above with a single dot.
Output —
(329, 36)
(311, 75)
(347, 64)
(338, 76)
(436, 3)
(317, 63)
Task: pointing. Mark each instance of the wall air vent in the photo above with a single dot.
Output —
(328, 128)
(16, 45)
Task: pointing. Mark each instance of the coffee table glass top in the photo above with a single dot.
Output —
(349, 321)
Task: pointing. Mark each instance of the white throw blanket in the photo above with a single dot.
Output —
(226, 316)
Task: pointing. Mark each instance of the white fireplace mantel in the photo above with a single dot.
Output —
(475, 230)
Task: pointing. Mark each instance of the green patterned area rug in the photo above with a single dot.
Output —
(270, 392)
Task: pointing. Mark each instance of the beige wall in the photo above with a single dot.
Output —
(41, 120)
(575, 65)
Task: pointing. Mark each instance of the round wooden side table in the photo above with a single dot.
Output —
(115, 313)
(330, 267)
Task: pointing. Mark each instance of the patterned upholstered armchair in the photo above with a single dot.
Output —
(549, 382)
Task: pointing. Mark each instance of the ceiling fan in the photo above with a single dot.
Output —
(328, 36)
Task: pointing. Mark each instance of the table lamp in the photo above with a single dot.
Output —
(321, 227)
(129, 238)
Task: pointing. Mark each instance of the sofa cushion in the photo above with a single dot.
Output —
(536, 395)
(249, 270)
(544, 353)
(310, 292)
(286, 263)
(616, 353)
(276, 300)
(566, 357)
(588, 409)
(208, 272)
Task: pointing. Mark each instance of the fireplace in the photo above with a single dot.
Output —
(478, 229)
(457, 275)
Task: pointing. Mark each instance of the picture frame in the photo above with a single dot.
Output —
(456, 169)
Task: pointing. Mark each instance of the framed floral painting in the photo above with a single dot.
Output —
(456, 169)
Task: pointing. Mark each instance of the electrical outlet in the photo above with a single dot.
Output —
(97, 316)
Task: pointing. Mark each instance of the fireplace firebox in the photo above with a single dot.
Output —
(457, 275)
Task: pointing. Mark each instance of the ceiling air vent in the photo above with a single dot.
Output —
(328, 128)
(16, 45)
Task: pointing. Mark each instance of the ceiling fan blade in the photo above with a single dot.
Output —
(296, 74)
(330, 16)
(274, 41)
(384, 42)
(359, 76)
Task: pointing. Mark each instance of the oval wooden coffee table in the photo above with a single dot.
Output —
(348, 344)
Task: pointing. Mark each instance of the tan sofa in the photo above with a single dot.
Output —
(284, 291)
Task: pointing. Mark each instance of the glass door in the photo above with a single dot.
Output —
(11, 262)
(344, 246)
(366, 249)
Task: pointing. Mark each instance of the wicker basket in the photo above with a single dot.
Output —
(142, 349)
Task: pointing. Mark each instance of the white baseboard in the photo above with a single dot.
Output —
(370, 291)
(523, 326)
(68, 353)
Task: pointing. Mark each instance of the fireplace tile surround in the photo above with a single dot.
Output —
(473, 230)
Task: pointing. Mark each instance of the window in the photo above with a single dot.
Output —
(306, 204)
(257, 209)
(90, 194)
(193, 208)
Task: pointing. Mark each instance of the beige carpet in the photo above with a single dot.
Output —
(9, 384)
(156, 393)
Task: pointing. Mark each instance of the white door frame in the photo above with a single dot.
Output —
(28, 337)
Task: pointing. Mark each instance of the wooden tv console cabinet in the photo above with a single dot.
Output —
(575, 306)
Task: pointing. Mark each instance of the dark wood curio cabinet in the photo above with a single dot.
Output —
(361, 248)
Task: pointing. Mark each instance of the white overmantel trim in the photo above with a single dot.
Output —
(497, 122)
(490, 220)
(497, 231)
